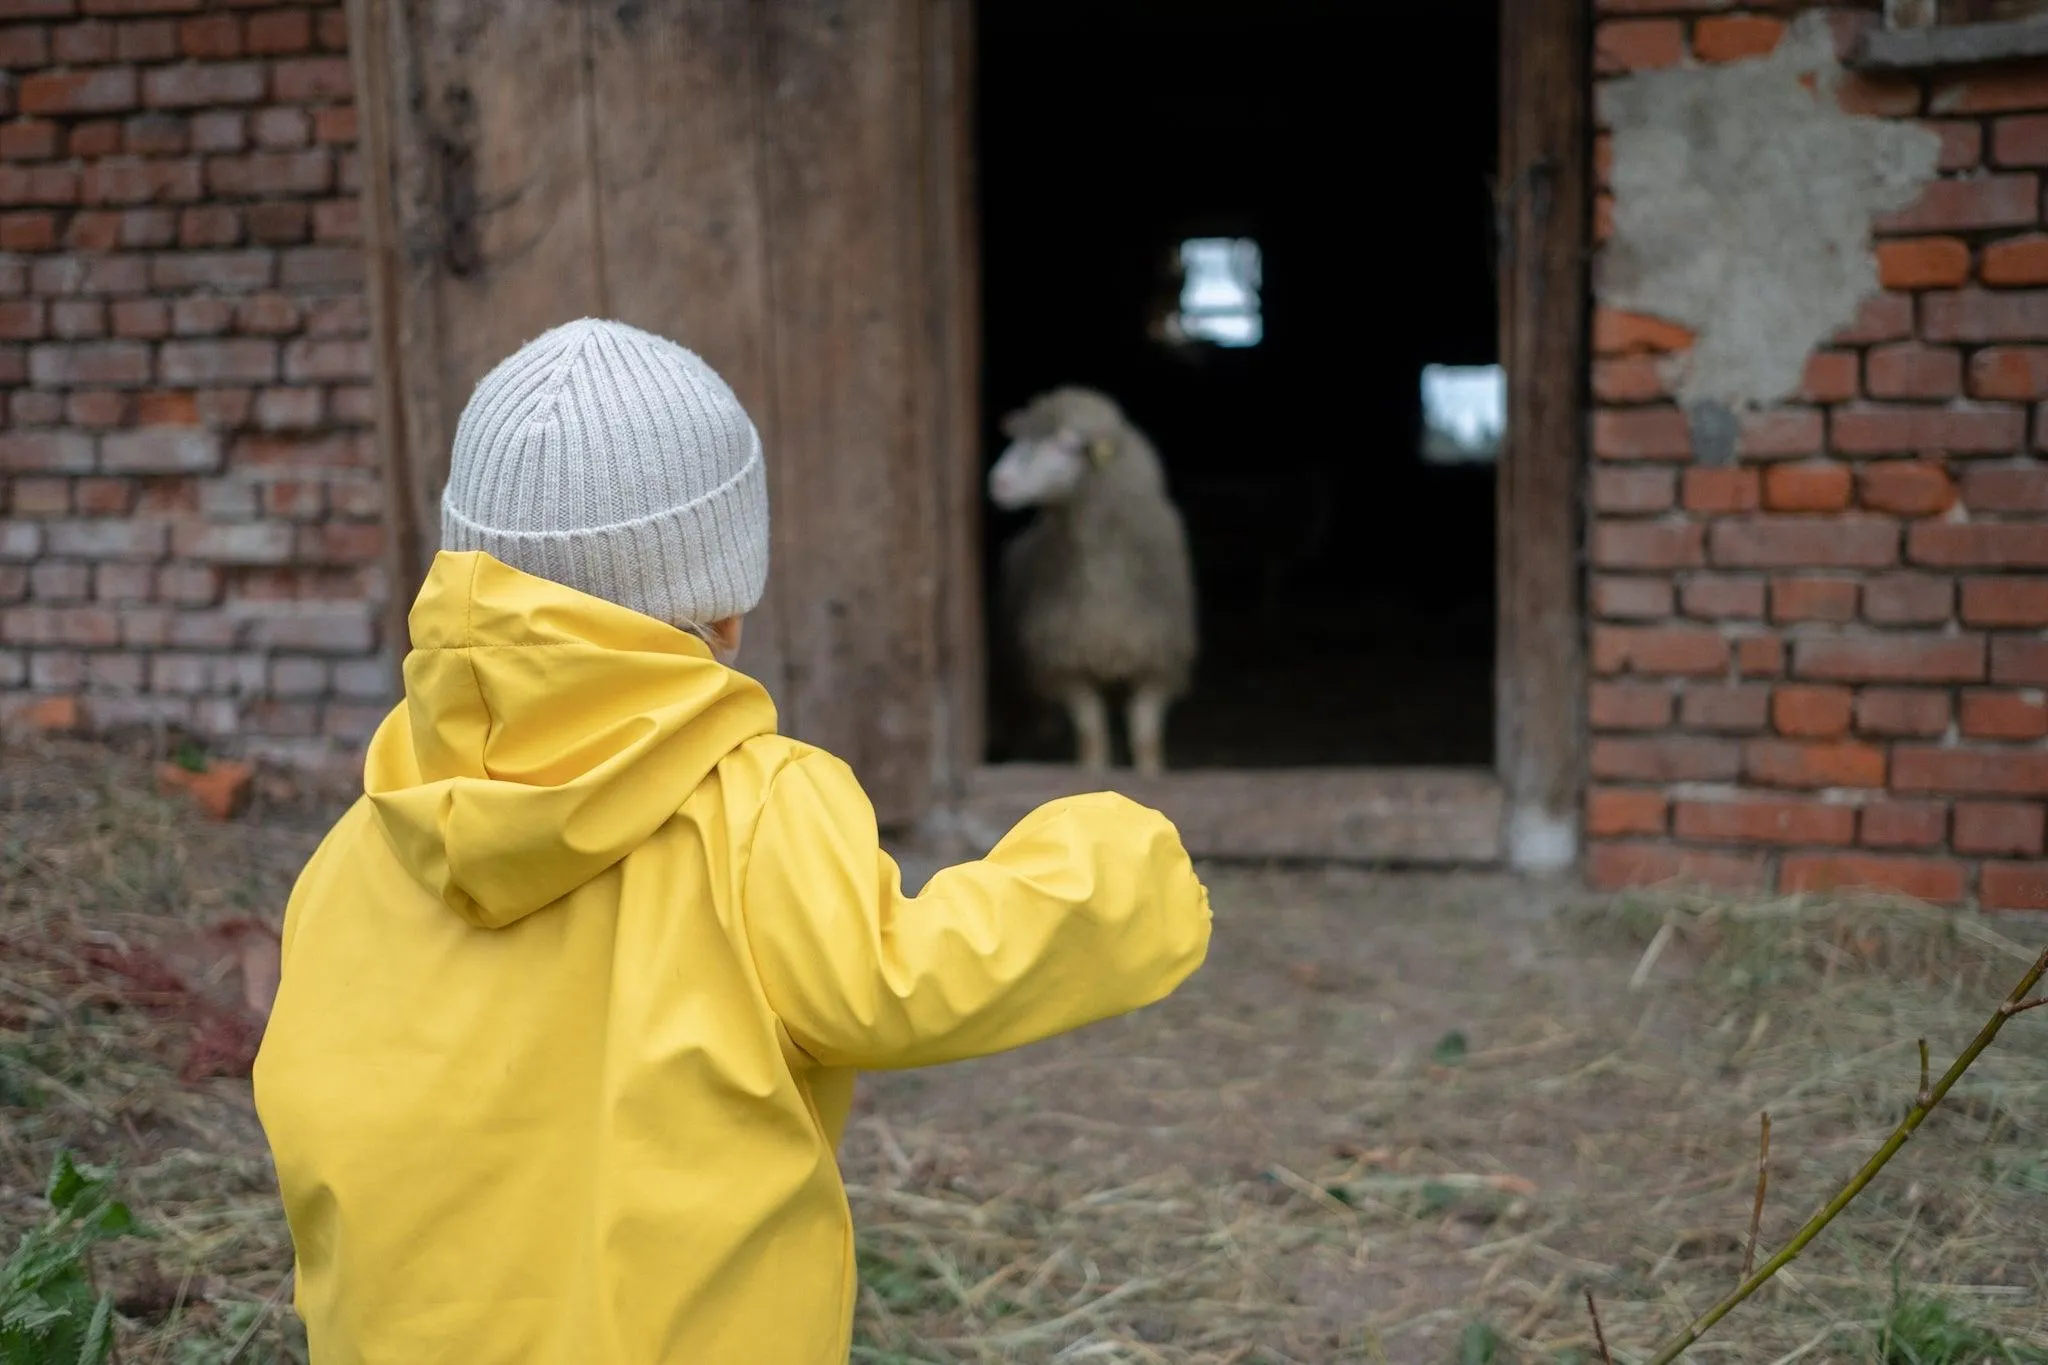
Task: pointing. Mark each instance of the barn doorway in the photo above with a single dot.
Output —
(1283, 268)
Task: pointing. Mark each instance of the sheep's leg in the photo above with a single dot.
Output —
(1090, 715)
(1147, 716)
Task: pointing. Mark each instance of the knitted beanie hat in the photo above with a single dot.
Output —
(617, 463)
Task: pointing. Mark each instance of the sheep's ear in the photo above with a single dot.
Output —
(1101, 448)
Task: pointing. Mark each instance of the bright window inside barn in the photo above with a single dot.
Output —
(1219, 293)
(1464, 412)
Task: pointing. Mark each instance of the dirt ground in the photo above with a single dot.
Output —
(1396, 1117)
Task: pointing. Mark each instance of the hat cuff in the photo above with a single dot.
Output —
(688, 566)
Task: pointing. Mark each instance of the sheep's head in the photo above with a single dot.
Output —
(1055, 441)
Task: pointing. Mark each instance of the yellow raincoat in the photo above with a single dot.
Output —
(573, 997)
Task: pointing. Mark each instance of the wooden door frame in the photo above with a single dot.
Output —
(1526, 812)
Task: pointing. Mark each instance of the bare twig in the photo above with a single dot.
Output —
(2016, 1002)
(1920, 1095)
(1599, 1336)
(1763, 1180)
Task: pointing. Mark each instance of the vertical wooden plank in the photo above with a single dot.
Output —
(842, 141)
(674, 139)
(953, 369)
(1545, 199)
(369, 35)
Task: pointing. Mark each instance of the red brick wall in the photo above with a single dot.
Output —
(1825, 664)
(189, 507)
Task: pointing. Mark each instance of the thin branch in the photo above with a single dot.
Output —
(1920, 1095)
(2018, 1001)
(1606, 1356)
(1763, 1181)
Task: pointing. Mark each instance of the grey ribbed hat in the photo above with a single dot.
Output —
(615, 462)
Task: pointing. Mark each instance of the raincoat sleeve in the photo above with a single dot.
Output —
(1089, 908)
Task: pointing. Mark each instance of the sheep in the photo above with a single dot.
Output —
(1097, 592)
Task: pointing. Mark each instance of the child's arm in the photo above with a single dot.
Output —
(1088, 908)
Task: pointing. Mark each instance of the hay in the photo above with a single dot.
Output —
(1396, 1119)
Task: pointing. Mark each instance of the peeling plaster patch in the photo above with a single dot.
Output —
(1743, 199)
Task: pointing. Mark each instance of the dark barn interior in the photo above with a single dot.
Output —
(1347, 586)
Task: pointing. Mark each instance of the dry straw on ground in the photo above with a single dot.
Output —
(1395, 1119)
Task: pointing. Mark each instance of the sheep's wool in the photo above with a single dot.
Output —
(617, 463)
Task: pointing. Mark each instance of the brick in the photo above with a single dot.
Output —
(1764, 821)
(189, 585)
(1717, 597)
(225, 271)
(150, 227)
(154, 40)
(239, 360)
(1979, 315)
(1619, 333)
(60, 583)
(317, 628)
(1994, 90)
(30, 408)
(20, 541)
(219, 130)
(1813, 599)
(2020, 141)
(1617, 379)
(1910, 370)
(1975, 202)
(105, 497)
(1806, 487)
(1991, 545)
(1891, 658)
(201, 316)
(1903, 824)
(1927, 879)
(315, 266)
(97, 90)
(211, 37)
(1905, 488)
(1910, 429)
(123, 583)
(1808, 712)
(1739, 709)
(1830, 377)
(1881, 317)
(155, 135)
(83, 44)
(258, 175)
(1791, 763)
(1906, 599)
(24, 46)
(1616, 544)
(1659, 651)
(1847, 541)
(2012, 372)
(95, 138)
(1623, 490)
(288, 409)
(1781, 432)
(2013, 886)
(78, 319)
(283, 223)
(228, 500)
(1877, 96)
(1923, 262)
(335, 126)
(1631, 598)
(223, 407)
(41, 498)
(2016, 261)
(1621, 810)
(128, 539)
(1665, 759)
(1991, 714)
(58, 365)
(141, 180)
(22, 319)
(25, 185)
(243, 543)
(1968, 772)
(1733, 37)
(352, 404)
(338, 220)
(275, 32)
(1619, 706)
(161, 450)
(282, 128)
(1615, 866)
(141, 319)
(26, 141)
(192, 85)
(1999, 828)
(96, 408)
(1962, 143)
(2006, 488)
(210, 225)
(1901, 712)
(1637, 45)
(2019, 660)
(2005, 602)
(314, 80)
(27, 231)
(1722, 490)
(295, 500)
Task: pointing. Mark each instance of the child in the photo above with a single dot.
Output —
(573, 997)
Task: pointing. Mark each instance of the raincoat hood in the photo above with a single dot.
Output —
(545, 734)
